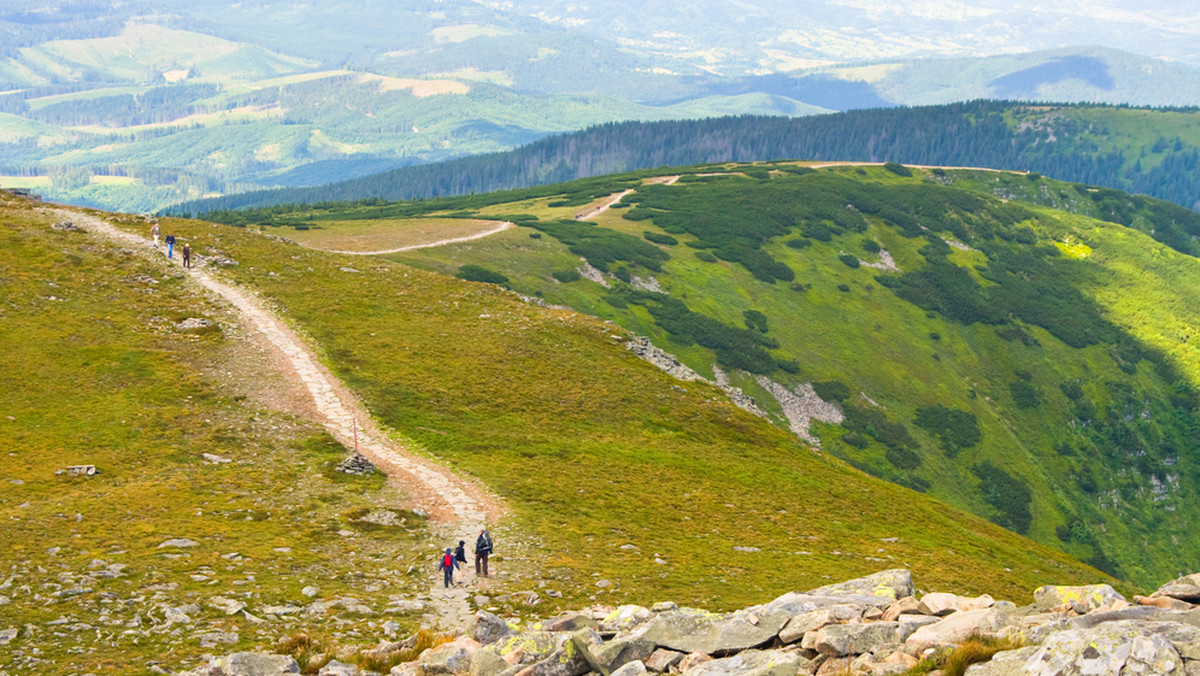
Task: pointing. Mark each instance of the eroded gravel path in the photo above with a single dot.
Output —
(458, 508)
(506, 225)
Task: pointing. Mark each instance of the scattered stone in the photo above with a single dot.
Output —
(751, 663)
(65, 226)
(662, 660)
(215, 459)
(214, 638)
(634, 668)
(194, 324)
(1112, 648)
(310, 591)
(381, 517)
(336, 668)
(889, 584)
(227, 606)
(179, 542)
(358, 465)
(77, 470)
(347, 269)
(252, 664)
(8, 635)
(957, 626)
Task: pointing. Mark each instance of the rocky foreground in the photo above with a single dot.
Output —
(871, 625)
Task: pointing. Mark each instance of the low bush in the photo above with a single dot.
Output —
(566, 276)
(476, 273)
(658, 238)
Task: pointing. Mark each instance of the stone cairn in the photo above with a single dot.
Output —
(356, 464)
(868, 626)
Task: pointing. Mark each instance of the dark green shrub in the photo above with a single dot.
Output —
(903, 458)
(535, 235)
(954, 428)
(566, 276)
(622, 273)
(844, 288)
(849, 260)
(856, 440)
(475, 273)
(897, 169)
(799, 243)
(1009, 496)
(1024, 395)
(706, 257)
(873, 422)
(788, 365)
(832, 390)
(871, 246)
(660, 238)
(816, 230)
(755, 320)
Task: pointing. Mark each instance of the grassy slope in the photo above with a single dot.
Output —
(594, 448)
(103, 377)
(1097, 498)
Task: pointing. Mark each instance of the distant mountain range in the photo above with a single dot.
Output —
(143, 105)
(1154, 152)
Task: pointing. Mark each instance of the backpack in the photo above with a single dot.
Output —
(447, 561)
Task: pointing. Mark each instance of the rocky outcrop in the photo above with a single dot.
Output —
(867, 626)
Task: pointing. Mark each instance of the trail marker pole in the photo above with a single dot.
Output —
(355, 435)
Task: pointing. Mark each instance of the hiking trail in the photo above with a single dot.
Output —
(457, 507)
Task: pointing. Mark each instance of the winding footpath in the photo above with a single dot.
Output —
(506, 225)
(456, 506)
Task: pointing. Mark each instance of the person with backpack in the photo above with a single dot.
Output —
(170, 240)
(460, 553)
(483, 548)
(447, 566)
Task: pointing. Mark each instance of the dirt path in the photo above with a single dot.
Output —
(457, 507)
(507, 225)
(592, 213)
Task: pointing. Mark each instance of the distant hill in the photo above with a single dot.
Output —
(1155, 152)
(1017, 346)
(148, 104)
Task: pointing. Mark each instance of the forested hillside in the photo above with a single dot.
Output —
(992, 338)
(1155, 152)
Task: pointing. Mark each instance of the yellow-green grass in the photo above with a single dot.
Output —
(382, 235)
(93, 370)
(594, 449)
(25, 181)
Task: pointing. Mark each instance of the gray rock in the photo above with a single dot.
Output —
(336, 668)
(689, 630)
(179, 542)
(528, 647)
(662, 660)
(8, 635)
(801, 624)
(625, 618)
(215, 638)
(634, 668)
(564, 661)
(663, 606)
(1006, 663)
(838, 640)
(612, 655)
(227, 606)
(252, 664)
(957, 626)
(1182, 592)
(310, 591)
(750, 663)
(568, 621)
(487, 663)
(489, 628)
(449, 658)
(1121, 647)
(1081, 599)
(889, 584)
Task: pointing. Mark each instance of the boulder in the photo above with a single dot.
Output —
(1081, 599)
(454, 657)
(688, 630)
(487, 663)
(662, 660)
(837, 640)
(909, 624)
(625, 618)
(568, 621)
(1189, 593)
(489, 628)
(957, 626)
(634, 668)
(801, 624)
(1122, 647)
(889, 584)
(1006, 663)
(528, 647)
(607, 657)
(750, 663)
(942, 604)
(252, 664)
(908, 604)
(1164, 602)
(564, 661)
(691, 660)
(336, 668)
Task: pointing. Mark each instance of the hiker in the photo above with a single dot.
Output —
(187, 255)
(448, 565)
(154, 233)
(460, 552)
(170, 240)
(483, 547)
